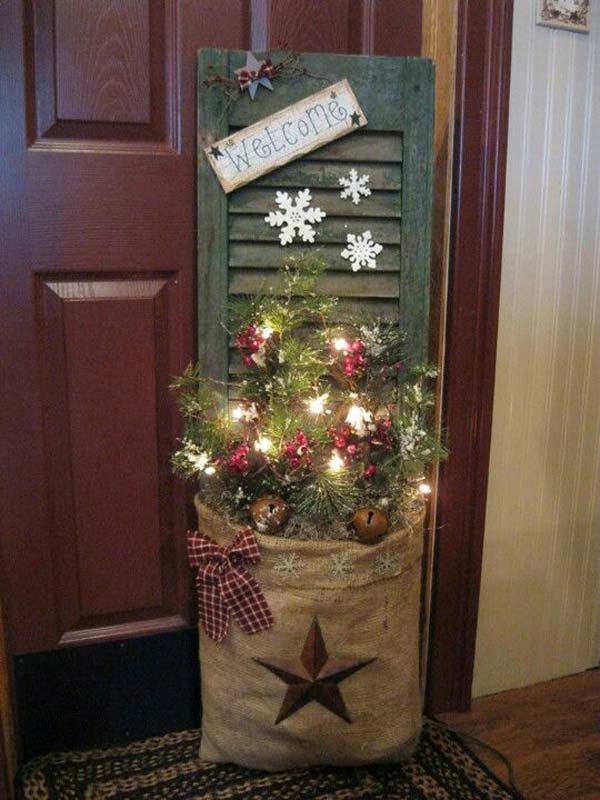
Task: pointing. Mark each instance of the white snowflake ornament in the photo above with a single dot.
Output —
(295, 217)
(361, 251)
(354, 187)
(339, 565)
(288, 565)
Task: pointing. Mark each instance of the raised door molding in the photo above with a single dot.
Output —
(104, 369)
(102, 76)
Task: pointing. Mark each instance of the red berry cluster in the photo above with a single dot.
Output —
(249, 342)
(237, 459)
(387, 369)
(351, 448)
(345, 442)
(296, 452)
(382, 434)
(355, 362)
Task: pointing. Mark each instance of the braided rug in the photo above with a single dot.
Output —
(168, 767)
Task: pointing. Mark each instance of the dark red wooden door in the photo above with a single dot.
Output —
(98, 263)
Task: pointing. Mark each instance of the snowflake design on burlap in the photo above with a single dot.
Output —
(295, 217)
(355, 187)
(339, 565)
(288, 565)
(361, 251)
(387, 563)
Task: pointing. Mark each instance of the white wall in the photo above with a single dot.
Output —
(540, 597)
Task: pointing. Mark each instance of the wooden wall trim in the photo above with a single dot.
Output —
(480, 138)
(438, 42)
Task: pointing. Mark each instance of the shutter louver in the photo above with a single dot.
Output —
(239, 252)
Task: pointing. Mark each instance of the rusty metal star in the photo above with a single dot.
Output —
(254, 77)
(315, 677)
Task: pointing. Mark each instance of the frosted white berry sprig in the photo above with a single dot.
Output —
(355, 187)
(361, 251)
(295, 216)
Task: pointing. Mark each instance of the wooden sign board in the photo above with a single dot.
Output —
(285, 136)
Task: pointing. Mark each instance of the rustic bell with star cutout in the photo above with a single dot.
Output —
(370, 524)
(269, 513)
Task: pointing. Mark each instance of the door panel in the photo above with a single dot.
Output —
(103, 72)
(98, 286)
(105, 365)
(102, 58)
(371, 27)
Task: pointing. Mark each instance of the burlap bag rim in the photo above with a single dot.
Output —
(315, 558)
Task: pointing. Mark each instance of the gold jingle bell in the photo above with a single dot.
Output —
(370, 524)
(269, 513)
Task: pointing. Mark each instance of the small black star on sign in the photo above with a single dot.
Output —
(333, 95)
(215, 152)
(355, 117)
(316, 677)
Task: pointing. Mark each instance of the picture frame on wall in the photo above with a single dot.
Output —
(571, 15)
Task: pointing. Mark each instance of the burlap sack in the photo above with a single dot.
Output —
(372, 612)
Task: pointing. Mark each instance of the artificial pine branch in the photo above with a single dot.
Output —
(313, 393)
(326, 496)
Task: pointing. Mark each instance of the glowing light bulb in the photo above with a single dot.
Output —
(354, 415)
(425, 488)
(199, 461)
(237, 413)
(263, 444)
(340, 344)
(359, 418)
(336, 462)
(210, 471)
(266, 331)
(316, 405)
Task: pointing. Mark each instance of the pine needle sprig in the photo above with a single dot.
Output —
(325, 413)
(326, 495)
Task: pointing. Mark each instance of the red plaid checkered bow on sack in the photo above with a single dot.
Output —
(225, 586)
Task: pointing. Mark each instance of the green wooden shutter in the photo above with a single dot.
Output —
(238, 252)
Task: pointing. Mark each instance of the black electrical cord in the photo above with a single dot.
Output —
(468, 739)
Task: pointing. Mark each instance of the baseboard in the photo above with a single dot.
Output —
(94, 695)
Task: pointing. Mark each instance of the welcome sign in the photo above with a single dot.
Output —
(285, 136)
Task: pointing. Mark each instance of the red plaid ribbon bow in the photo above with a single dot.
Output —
(224, 585)
(247, 76)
